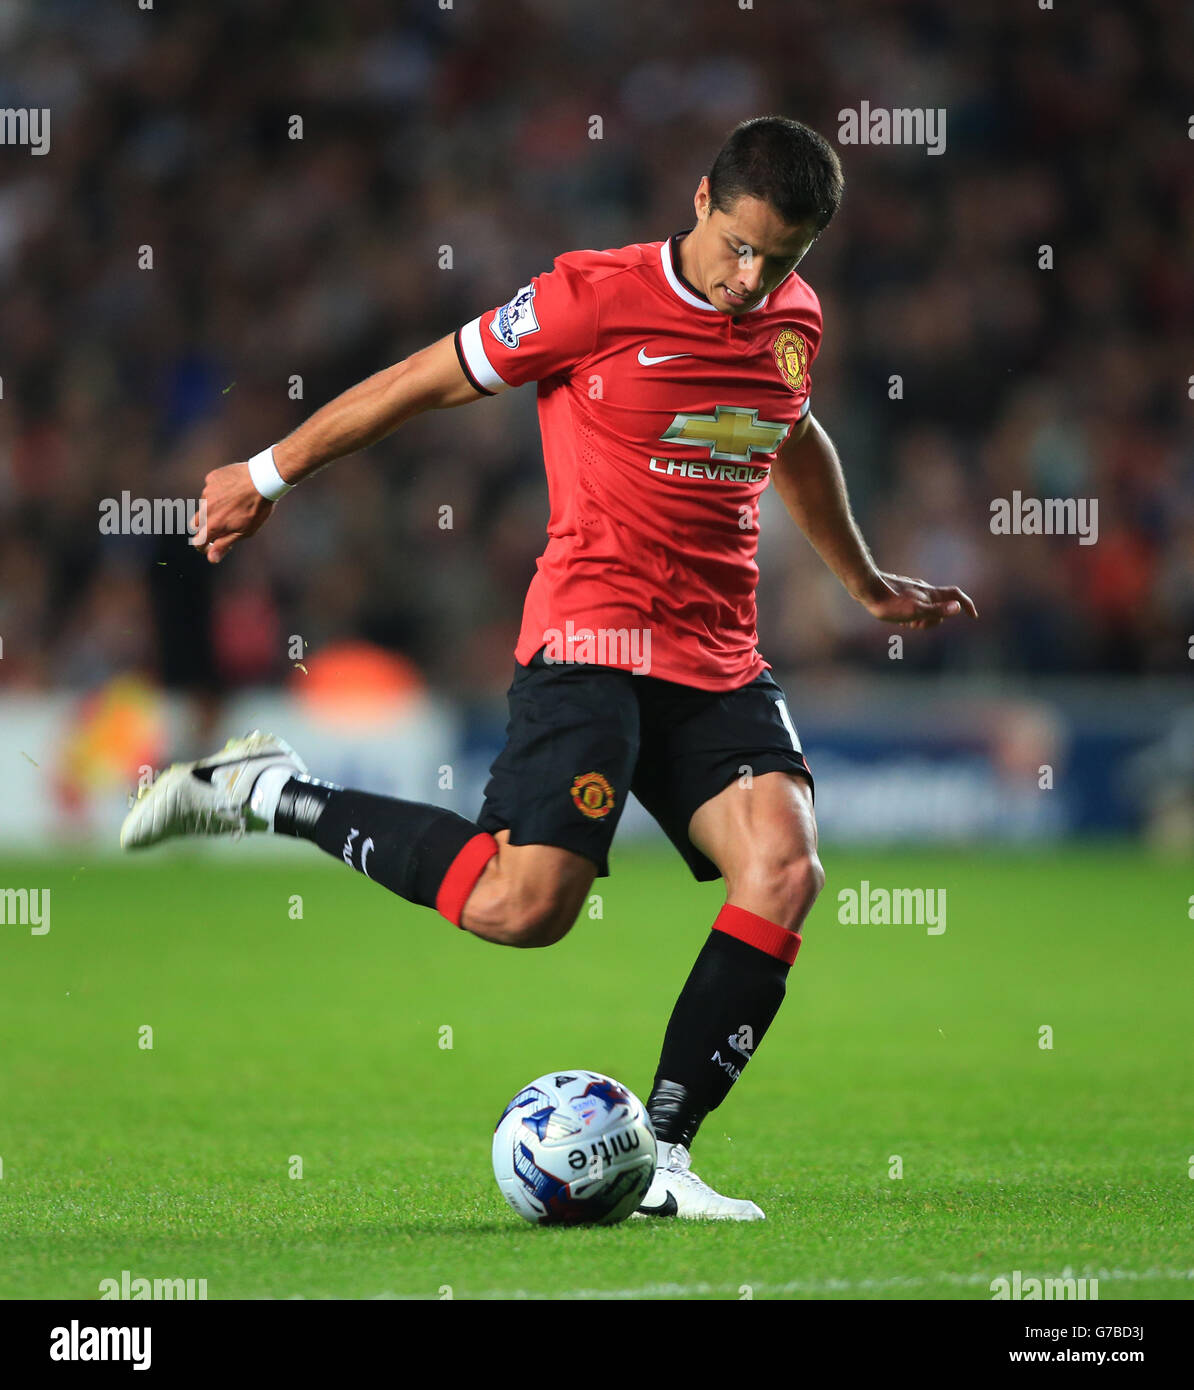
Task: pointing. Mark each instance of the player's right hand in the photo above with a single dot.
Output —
(230, 509)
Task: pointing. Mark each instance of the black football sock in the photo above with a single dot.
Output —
(728, 1002)
(423, 853)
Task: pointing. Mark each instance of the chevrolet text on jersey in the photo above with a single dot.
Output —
(710, 472)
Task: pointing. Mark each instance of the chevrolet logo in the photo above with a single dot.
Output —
(729, 433)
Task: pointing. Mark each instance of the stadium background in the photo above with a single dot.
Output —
(321, 258)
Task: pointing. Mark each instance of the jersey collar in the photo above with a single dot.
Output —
(670, 259)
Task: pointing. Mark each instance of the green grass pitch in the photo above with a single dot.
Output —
(320, 1038)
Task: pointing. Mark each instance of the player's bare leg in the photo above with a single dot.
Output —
(763, 838)
(528, 895)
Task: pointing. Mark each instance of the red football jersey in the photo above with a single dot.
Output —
(660, 418)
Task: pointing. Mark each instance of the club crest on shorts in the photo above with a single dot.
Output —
(592, 795)
(791, 357)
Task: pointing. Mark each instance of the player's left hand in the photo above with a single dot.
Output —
(894, 598)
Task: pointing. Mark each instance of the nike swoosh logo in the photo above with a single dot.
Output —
(645, 361)
(205, 774)
(669, 1206)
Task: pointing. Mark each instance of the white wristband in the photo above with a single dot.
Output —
(266, 478)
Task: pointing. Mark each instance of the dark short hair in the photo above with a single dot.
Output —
(783, 163)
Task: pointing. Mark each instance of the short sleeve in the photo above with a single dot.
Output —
(547, 327)
(803, 362)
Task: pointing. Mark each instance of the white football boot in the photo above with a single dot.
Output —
(677, 1191)
(211, 796)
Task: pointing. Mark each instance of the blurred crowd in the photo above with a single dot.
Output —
(182, 281)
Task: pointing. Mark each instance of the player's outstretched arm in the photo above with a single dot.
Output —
(431, 379)
(807, 474)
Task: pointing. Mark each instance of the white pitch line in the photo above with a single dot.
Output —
(809, 1286)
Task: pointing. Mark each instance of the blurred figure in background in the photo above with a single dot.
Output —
(403, 205)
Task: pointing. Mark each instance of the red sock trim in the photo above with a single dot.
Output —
(462, 876)
(757, 931)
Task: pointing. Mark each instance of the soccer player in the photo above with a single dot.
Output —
(673, 385)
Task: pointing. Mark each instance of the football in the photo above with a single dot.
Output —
(574, 1148)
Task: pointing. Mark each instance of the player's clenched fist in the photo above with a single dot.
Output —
(231, 507)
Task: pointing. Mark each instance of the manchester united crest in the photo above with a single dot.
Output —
(791, 357)
(592, 795)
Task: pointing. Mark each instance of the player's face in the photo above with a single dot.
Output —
(741, 255)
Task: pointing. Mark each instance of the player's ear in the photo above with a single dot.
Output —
(701, 199)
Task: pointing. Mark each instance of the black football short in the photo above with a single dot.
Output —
(581, 737)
